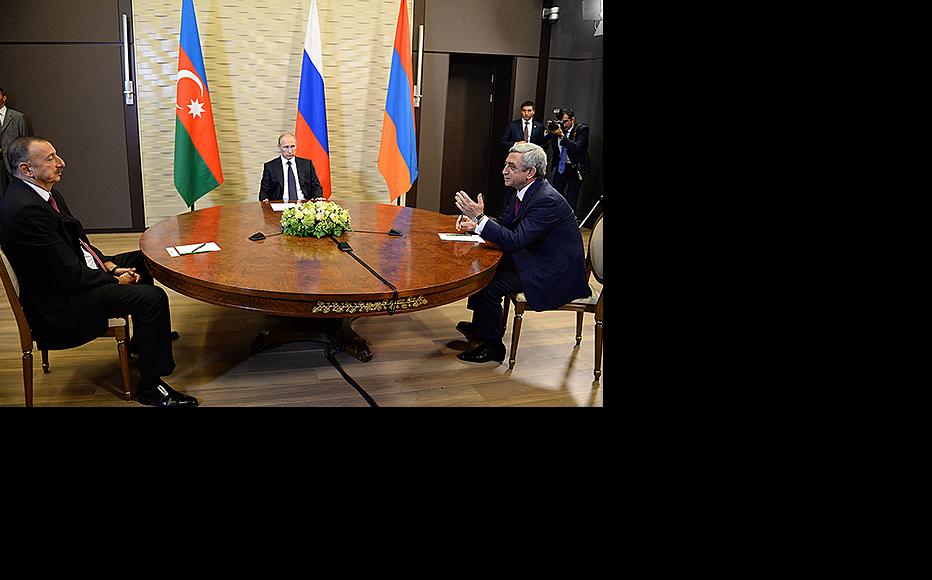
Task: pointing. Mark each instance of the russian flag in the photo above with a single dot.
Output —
(197, 155)
(311, 126)
(398, 150)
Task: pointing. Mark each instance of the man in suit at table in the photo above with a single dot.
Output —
(542, 251)
(525, 129)
(279, 180)
(69, 287)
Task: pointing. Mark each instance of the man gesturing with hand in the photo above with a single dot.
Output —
(543, 253)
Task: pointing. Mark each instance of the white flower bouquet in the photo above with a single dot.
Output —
(315, 218)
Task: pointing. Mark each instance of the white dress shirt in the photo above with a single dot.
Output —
(2, 114)
(286, 195)
(485, 219)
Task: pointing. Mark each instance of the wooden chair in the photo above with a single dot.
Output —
(593, 304)
(117, 329)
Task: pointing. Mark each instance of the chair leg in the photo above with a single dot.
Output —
(45, 361)
(515, 334)
(120, 333)
(27, 376)
(505, 310)
(579, 320)
(598, 349)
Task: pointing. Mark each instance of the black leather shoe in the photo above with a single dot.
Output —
(466, 329)
(164, 396)
(484, 353)
(134, 348)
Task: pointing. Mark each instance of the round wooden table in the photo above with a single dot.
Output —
(310, 278)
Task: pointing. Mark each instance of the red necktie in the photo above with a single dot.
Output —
(97, 259)
(517, 205)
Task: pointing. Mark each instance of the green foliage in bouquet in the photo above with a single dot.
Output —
(315, 218)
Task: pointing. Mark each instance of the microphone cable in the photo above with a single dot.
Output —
(329, 353)
(333, 347)
(394, 303)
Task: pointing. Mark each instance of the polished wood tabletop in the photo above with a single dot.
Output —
(310, 277)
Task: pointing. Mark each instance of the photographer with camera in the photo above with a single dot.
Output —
(569, 161)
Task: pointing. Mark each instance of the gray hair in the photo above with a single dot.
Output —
(282, 135)
(532, 156)
(18, 152)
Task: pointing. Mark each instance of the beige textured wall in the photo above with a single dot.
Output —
(252, 53)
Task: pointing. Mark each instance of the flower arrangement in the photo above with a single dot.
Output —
(315, 218)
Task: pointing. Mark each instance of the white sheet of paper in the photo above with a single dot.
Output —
(197, 248)
(282, 206)
(461, 238)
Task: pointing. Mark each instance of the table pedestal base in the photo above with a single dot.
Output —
(333, 330)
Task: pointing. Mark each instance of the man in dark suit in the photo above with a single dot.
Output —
(69, 287)
(525, 129)
(569, 162)
(279, 182)
(543, 253)
(12, 126)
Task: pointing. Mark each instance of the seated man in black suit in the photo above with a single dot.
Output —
(279, 181)
(543, 253)
(69, 287)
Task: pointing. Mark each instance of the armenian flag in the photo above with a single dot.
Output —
(398, 149)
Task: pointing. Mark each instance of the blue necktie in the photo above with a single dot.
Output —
(292, 185)
(562, 159)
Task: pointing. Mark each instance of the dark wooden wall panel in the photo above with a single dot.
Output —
(59, 21)
(62, 66)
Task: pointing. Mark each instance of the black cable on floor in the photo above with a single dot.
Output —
(329, 351)
(336, 364)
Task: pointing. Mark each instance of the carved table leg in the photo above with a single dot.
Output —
(331, 330)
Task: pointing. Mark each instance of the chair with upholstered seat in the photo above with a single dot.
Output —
(117, 328)
(592, 304)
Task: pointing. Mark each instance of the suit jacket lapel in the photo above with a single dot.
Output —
(528, 199)
(300, 172)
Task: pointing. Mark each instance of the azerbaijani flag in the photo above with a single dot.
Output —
(197, 156)
(398, 150)
(311, 125)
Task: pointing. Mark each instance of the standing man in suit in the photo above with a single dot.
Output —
(69, 287)
(12, 126)
(525, 129)
(570, 160)
(279, 181)
(543, 253)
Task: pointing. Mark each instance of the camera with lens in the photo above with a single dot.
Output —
(556, 122)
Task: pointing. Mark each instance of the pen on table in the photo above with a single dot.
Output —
(194, 251)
